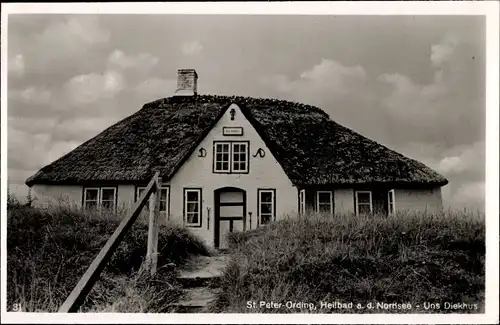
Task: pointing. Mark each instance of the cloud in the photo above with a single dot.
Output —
(442, 52)
(191, 48)
(16, 65)
(32, 95)
(141, 61)
(89, 88)
(154, 88)
(328, 80)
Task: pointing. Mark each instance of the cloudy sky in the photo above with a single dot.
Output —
(413, 83)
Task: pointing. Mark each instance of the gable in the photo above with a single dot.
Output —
(232, 127)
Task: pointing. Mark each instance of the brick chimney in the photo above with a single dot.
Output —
(187, 80)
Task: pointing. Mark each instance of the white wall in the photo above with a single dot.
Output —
(46, 195)
(423, 200)
(264, 172)
(344, 201)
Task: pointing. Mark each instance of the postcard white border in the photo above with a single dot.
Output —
(488, 8)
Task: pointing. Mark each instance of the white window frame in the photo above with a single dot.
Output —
(85, 196)
(273, 204)
(392, 194)
(230, 168)
(318, 203)
(229, 161)
(302, 202)
(167, 198)
(357, 201)
(114, 196)
(99, 196)
(245, 144)
(186, 191)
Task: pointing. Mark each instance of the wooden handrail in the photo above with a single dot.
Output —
(87, 281)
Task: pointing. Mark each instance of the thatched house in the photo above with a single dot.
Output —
(233, 163)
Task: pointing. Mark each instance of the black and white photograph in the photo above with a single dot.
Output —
(249, 163)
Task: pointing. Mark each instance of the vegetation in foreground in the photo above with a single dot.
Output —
(407, 258)
(50, 249)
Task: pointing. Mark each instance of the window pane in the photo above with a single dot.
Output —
(192, 207)
(218, 166)
(225, 157)
(266, 208)
(266, 196)
(265, 219)
(192, 218)
(163, 194)
(325, 208)
(90, 204)
(225, 166)
(108, 194)
(324, 197)
(108, 205)
(364, 198)
(139, 192)
(91, 194)
(243, 157)
(364, 208)
(243, 166)
(192, 196)
(163, 206)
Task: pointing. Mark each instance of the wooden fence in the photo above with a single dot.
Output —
(87, 281)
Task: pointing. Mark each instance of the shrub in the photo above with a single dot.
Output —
(404, 258)
(50, 249)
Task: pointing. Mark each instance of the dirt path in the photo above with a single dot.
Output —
(199, 278)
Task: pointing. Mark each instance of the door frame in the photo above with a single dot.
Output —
(218, 204)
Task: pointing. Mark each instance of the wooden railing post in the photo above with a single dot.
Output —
(154, 212)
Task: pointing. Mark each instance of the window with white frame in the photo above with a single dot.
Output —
(266, 205)
(230, 157)
(164, 194)
(363, 202)
(391, 202)
(324, 202)
(99, 197)
(302, 202)
(192, 207)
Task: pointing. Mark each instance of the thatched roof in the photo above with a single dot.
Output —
(311, 148)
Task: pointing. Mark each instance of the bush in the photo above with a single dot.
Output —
(49, 250)
(404, 258)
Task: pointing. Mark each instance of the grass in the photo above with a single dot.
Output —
(50, 249)
(407, 258)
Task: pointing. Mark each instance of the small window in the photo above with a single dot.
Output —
(240, 157)
(324, 202)
(302, 202)
(163, 198)
(222, 157)
(192, 207)
(108, 197)
(99, 197)
(363, 202)
(391, 202)
(231, 157)
(266, 206)
(91, 198)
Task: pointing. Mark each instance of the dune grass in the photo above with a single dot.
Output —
(406, 258)
(50, 249)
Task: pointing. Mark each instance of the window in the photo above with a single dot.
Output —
(266, 205)
(164, 191)
(91, 198)
(192, 207)
(324, 202)
(108, 198)
(391, 202)
(231, 157)
(302, 202)
(222, 157)
(363, 202)
(97, 197)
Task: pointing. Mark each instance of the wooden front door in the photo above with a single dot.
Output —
(230, 212)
